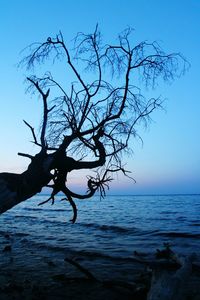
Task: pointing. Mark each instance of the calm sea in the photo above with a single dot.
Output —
(112, 228)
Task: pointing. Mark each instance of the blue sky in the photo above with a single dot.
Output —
(169, 160)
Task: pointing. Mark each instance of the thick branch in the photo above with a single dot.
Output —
(102, 155)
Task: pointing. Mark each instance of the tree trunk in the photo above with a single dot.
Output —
(15, 188)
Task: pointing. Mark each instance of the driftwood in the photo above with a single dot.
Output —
(170, 274)
(166, 278)
(171, 286)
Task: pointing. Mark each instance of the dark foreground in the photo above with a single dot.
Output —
(29, 272)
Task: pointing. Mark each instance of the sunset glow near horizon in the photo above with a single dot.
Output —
(169, 160)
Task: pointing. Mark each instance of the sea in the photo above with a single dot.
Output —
(107, 231)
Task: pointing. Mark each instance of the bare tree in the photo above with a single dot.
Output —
(88, 123)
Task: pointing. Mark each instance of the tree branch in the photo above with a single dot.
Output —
(45, 111)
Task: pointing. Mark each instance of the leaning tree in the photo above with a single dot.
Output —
(88, 122)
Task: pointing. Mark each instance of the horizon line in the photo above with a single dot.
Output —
(164, 194)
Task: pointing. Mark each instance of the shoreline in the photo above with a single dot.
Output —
(30, 272)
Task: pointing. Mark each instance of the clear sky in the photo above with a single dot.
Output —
(169, 160)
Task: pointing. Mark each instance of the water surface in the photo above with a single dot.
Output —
(114, 226)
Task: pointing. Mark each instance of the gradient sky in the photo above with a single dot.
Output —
(169, 160)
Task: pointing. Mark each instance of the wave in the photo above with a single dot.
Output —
(8, 234)
(45, 209)
(32, 209)
(25, 217)
(168, 212)
(21, 234)
(109, 228)
(94, 226)
(73, 252)
(179, 234)
(96, 255)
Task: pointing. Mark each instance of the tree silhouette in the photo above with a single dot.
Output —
(87, 123)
